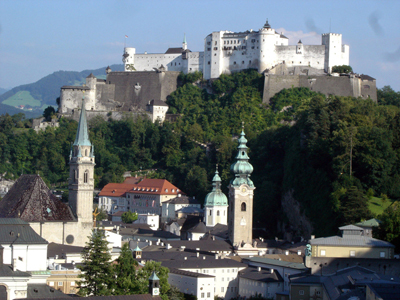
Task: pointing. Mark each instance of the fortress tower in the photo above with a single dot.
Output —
(216, 204)
(81, 175)
(241, 191)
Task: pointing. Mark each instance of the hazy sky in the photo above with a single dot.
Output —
(40, 37)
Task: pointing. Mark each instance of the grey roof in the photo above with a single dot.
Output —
(120, 297)
(91, 76)
(220, 230)
(174, 50)
(264, 275)
(82, 134)
(367, 77)
(198, 228)
(173, 255)
(182, 200)
(158, 103)
(190, 210)
(207, 263)
(351, 240)
(7, 271)
(189, 274)
(279, 263)
(18, 233)
(386, 291)
(148, 233)
(203, 245)
(43, 291)
(350, 227)
(31, 200)
(61, 250)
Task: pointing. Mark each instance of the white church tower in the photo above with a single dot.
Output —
(241, 191)
(81, 174)
(216, 204)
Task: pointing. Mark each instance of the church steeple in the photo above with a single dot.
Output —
(82, 135)
(81, 175)
(241, 192)
(216, 204)
(184, 43)
(242, 168)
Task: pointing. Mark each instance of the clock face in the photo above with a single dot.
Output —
(244, 190)
(156, 291)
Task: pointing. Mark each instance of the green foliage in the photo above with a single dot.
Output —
(175, 294)
(102, 215)
(389, 228)
(142, 278)
(125, 273)
(49, 112)
(342, 69)
(96, 270)
(129, 217)
(354, 206)
(387, 96)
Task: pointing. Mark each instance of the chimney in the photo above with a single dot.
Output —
(185, 258)
(259, 269)
(169, 246)
(298, 252)
(197, 254)
(313, 237)
(14, 264)
(197, 249)
(56, 256)
(204, 257)
(272, 271)
(150, 243)
(286, 252)
(216, 256)
(276, 239)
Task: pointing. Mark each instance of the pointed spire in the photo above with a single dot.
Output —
(242, 168)
(216, 196)
(184, 44)
(216, 181)
(154, 276)
(82, 135)
(184, 38)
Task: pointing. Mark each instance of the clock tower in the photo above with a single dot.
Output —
(241, 190)
(154, 284)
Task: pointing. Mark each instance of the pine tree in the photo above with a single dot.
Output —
(97, 276)
(125, 282)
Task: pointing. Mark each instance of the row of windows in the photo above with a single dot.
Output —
(352, 253)
(60, 283)
(85, 176)
(208, 295)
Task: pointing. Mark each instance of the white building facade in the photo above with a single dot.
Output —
(226, 52)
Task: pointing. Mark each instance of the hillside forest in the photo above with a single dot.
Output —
(317, 161)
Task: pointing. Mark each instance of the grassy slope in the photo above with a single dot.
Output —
(377, 206)
(22, 98)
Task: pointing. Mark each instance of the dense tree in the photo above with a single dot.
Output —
(342, 69)
(96, 271)
(125, 273)
(129, 217)
(142, 278)
(49, 112)
(389, 228)
(354, 206)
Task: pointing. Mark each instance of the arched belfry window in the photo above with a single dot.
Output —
(210, 212)
(86, 176)
(86, 152)
(217, 212)
(243, 206)
(76, 175)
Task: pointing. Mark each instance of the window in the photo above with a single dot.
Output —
(243, 206)
(323, 253)
(352, 253)
(210, 212)
(72, 283)
(222, 289)
(51, 283)
(382, 254)
(208, 295)
(86, 176)
(217, 212)
(60, 283)
(301, 292)
(202, 295)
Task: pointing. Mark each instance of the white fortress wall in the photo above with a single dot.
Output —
(313, 56)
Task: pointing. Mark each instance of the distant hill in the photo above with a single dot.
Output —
(2, 91)
(45, 91)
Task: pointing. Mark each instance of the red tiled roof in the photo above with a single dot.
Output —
(116, 189)
(146, 186)
(155, 186)
(133, 180)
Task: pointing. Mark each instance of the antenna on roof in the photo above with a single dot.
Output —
(330, 25)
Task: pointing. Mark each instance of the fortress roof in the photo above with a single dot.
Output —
(31, 200)
(174, 51)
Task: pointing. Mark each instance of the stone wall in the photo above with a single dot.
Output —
(349, 85)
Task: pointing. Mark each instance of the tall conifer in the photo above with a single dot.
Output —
(97, 276)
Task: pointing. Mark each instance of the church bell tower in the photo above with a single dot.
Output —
(241, 190)
(81, 172)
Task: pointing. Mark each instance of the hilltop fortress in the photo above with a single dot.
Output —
(151, 77)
